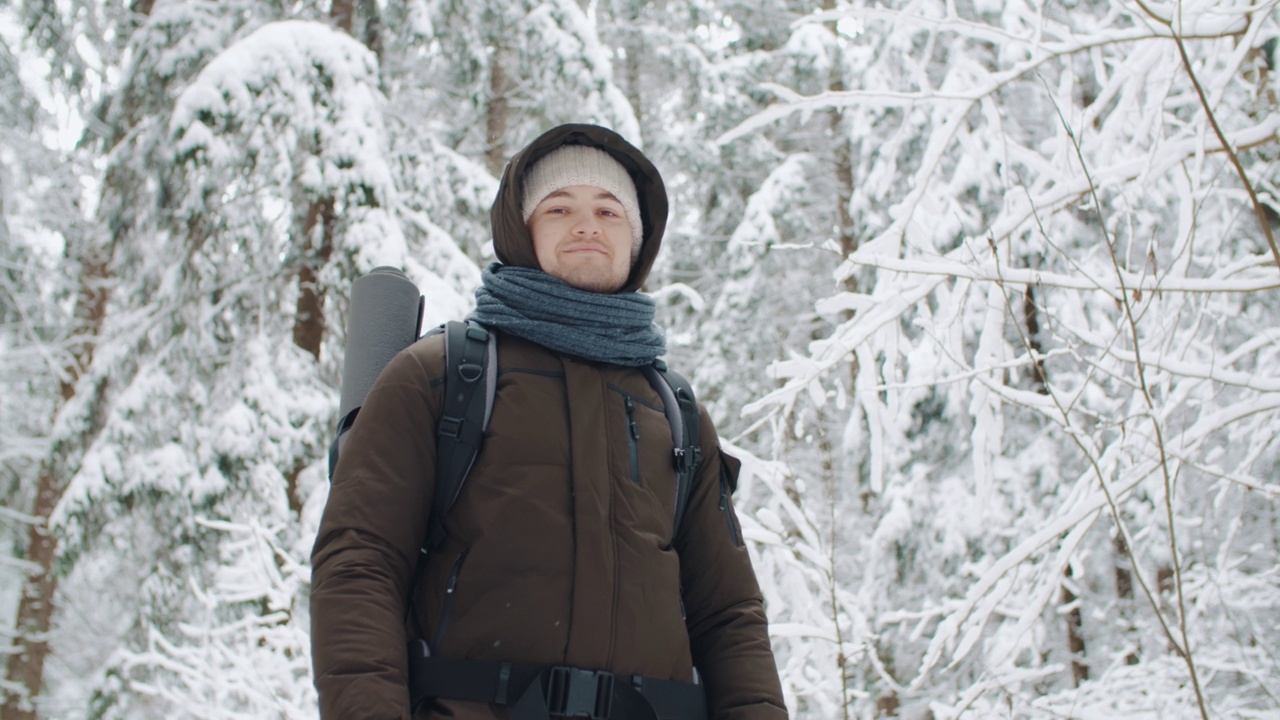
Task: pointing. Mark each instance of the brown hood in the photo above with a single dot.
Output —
(511, 238)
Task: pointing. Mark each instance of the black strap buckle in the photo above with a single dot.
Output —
(573, 692)
(451, 426)
(687, 459)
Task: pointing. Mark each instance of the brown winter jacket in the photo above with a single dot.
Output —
(558, 550)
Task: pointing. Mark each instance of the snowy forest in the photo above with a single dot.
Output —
(985, 294)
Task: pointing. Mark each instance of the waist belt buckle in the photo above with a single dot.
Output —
(576, 693)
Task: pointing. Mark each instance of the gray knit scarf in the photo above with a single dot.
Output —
(610, 328)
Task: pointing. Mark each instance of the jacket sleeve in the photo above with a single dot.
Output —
(728, 631)
(364, 559)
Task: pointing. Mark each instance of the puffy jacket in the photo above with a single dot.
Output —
(560, 548)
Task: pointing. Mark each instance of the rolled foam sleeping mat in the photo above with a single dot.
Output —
(385, 318)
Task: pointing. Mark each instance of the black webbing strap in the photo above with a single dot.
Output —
(543, 693)
(462, 418)
(681, 409)
(335, 448)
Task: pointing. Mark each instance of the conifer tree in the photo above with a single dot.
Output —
(276, 187)
(62, 327)
(265, 155)
(31, 350)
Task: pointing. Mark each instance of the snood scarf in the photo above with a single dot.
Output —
(609, 328)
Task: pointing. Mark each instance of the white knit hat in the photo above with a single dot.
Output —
(582, 165)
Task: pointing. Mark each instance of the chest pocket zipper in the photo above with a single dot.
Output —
(633, 438)
(449, 591)
(726, 507)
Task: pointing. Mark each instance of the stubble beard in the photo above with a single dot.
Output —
(585, 279)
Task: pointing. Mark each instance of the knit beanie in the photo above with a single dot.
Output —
(582, 165)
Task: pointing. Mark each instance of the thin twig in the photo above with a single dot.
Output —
(832, 539)
(1127, 306)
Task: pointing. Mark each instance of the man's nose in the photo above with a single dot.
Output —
(588, 225)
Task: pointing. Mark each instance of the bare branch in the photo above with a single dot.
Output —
(1184, 648)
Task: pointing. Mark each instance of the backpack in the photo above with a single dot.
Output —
(469, 386)
(471, 368)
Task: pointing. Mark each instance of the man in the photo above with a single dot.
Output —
(560, 550)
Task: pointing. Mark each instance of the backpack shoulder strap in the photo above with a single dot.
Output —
(681, 409)
(471, 366)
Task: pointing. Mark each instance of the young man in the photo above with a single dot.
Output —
(559, 587)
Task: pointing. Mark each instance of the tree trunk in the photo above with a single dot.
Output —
(309, 319)
(1166, 590)
(25, 667)
(371, 32)
(309, 322)
(635, 50)
(1124, 584)
(843, 166)
(886, 705)
(498, 115)
(1074, 618)
(317, 237)
(360, 19)
(26, 664)
(830, 479)
(343, 13)
(1031, 315)
(1075, 626)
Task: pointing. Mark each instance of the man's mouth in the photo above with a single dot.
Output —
(585, 248)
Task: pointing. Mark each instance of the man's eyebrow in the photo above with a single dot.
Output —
(602, 195)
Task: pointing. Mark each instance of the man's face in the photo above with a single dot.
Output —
(581, 236)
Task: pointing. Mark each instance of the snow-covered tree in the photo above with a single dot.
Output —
(467, 84)
(57, 285)
(521, 68)
(31, 330)
(1059, 273)
(268, 167)
(995, 283)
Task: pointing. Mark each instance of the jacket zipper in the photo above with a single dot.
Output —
(727, 508)
(449, 591)
(633, 438)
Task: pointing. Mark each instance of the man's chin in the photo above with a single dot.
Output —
(593, 282)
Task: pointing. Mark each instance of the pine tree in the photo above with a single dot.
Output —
(31, 344)
(250, 180)
(273, 189)
(64, 342)
(494, 75)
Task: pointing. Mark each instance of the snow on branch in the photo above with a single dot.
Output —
(1231, 282)
(290, 93)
